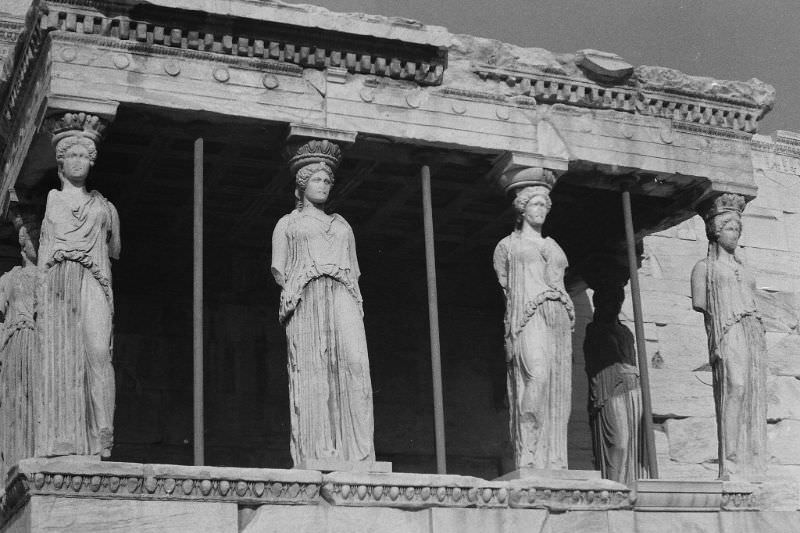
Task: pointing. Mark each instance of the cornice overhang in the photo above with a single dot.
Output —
(379, 46)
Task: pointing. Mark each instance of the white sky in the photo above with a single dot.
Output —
(725, 39)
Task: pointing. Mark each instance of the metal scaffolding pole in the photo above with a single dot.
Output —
(433, 314)
(199, 448)
(641, 350)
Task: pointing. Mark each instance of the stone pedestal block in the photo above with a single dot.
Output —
(87, 497)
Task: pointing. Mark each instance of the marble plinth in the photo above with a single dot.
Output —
(335, 465)
(550, 473)
(84, 496)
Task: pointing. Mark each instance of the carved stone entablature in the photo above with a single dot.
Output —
(28, 54)
(786, 143)
(754, 92)
(652, 91)
(22, 100)
(10, 32)
(258, 40)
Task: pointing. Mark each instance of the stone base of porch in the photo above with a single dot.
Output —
(85, 496)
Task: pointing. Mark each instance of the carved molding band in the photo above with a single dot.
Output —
(381, 58)
(254, 487)
(419, 491)
(786, 143)
(551, 89)
(157, 482)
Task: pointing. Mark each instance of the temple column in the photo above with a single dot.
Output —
(74, 382)
(539, 318)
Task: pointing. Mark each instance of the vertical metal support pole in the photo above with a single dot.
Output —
(641, 350)
(199, 444)
(433, 315)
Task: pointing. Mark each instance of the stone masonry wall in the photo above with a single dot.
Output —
(676, 340)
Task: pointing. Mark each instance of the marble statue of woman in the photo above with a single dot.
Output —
(538, 323)
(18, 351)
(615, 409)
(80, 234)
(723, 290)
(330, 392)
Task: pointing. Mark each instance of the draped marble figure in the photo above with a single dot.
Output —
(538, 323)
(314, 261)
(723, 289)
(615, 409)
(18, 350)
(80, 235)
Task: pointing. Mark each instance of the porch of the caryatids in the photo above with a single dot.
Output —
(80, 235)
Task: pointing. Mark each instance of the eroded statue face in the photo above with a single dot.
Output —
(318, 188)
(76, 163)
(536, 211)
(728, 236)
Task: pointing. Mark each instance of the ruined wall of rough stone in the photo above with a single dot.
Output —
(676, 339)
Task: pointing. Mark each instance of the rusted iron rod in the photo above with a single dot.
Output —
(433, 315)
(199, 444)
(638, 320)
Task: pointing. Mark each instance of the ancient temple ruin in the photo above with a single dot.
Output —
(253, 79)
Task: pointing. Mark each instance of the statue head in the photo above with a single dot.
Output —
(725, 230)
(75, 138)
(313, 183)
(607, 300)
(724, 221)
(532, 204)
(75, 155)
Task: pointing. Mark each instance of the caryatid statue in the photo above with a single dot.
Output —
(615, 408)
(538, 324)
(314, 261)
(18, 347)
(723, 289)
(79, 237)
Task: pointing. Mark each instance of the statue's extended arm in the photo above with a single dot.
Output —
(500, 262)
(114, 241)
(280, 251)
(699, 303)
